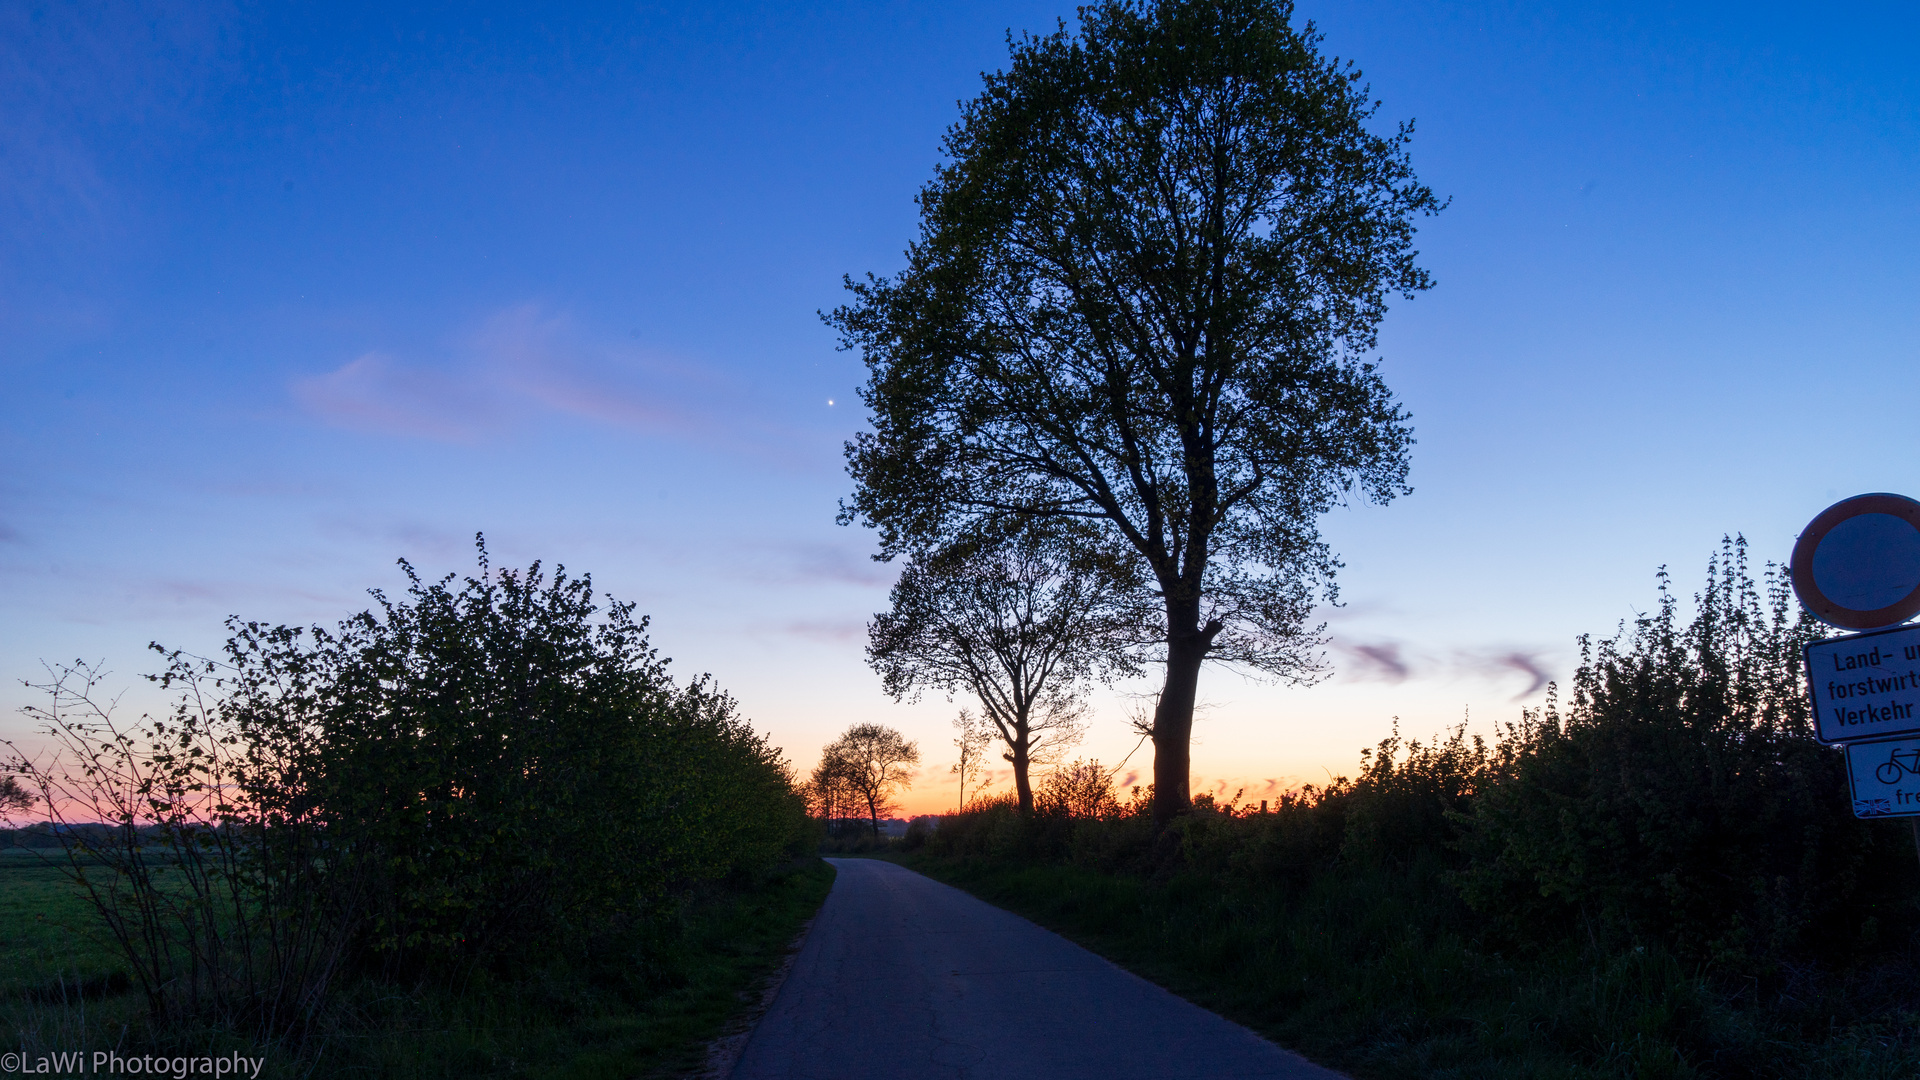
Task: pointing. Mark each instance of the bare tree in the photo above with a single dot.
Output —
(976, 734)
(1018, 626)
(871, 760)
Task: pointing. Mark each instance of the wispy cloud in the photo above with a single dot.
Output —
(525, 363)
(797, 562)
(447, 548)
(82, 79)
(1249, 790)
(375, 392)
(1527, 664)
(1395, 662)
(1381, 661)
(833, 631)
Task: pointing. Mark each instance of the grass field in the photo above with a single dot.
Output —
(48, 931)
(62, 983)
(637, 1009)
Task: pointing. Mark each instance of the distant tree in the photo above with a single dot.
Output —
(14, 798)
(830, 794)
(1083, 789)
(872, 761)
(1146, 284)
(1018, 626)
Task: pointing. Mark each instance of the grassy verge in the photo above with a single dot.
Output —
(1377, 973)
(630, 1009)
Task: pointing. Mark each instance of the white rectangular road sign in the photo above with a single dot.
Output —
(1885, 777)
(1865, 686)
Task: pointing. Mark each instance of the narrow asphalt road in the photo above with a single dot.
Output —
(903, 977)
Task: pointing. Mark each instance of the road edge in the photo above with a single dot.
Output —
(723, 1052)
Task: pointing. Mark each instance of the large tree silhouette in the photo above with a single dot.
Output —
(1144, 294)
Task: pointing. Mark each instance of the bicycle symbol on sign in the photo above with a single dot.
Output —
(1905, 760)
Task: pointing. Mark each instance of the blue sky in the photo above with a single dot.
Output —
(288, 292)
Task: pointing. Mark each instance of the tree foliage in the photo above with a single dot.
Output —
(14, 797)
(1145, 285)
(1082, 789)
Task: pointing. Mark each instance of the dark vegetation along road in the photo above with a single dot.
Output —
(902, 976)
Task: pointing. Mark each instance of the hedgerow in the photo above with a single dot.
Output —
(479, 774)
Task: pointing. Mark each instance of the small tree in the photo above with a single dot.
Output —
(1018, 626)
(1083, 790)
(415, 789)
(871, 761)
(975, 736)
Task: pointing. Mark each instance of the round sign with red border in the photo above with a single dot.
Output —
(1857, 565)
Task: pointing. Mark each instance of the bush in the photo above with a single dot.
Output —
(1080, 790)
(466, 776)
(1681, 798)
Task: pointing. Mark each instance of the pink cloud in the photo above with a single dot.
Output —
(1392, 662)
(809, 563)
(524, 364)
(377, 393)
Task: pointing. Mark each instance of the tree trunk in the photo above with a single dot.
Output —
(1187, 644)
(873, 815)
(1022, 786)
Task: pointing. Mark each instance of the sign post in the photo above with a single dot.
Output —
(1885, 777)
(1856, 566)
(1865, 686)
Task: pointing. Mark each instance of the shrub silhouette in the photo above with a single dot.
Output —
(477, 773)
(1681, 797)
(1678, 800)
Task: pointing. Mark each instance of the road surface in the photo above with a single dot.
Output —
(903, 977)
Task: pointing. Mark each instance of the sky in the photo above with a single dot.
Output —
(289, 292)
